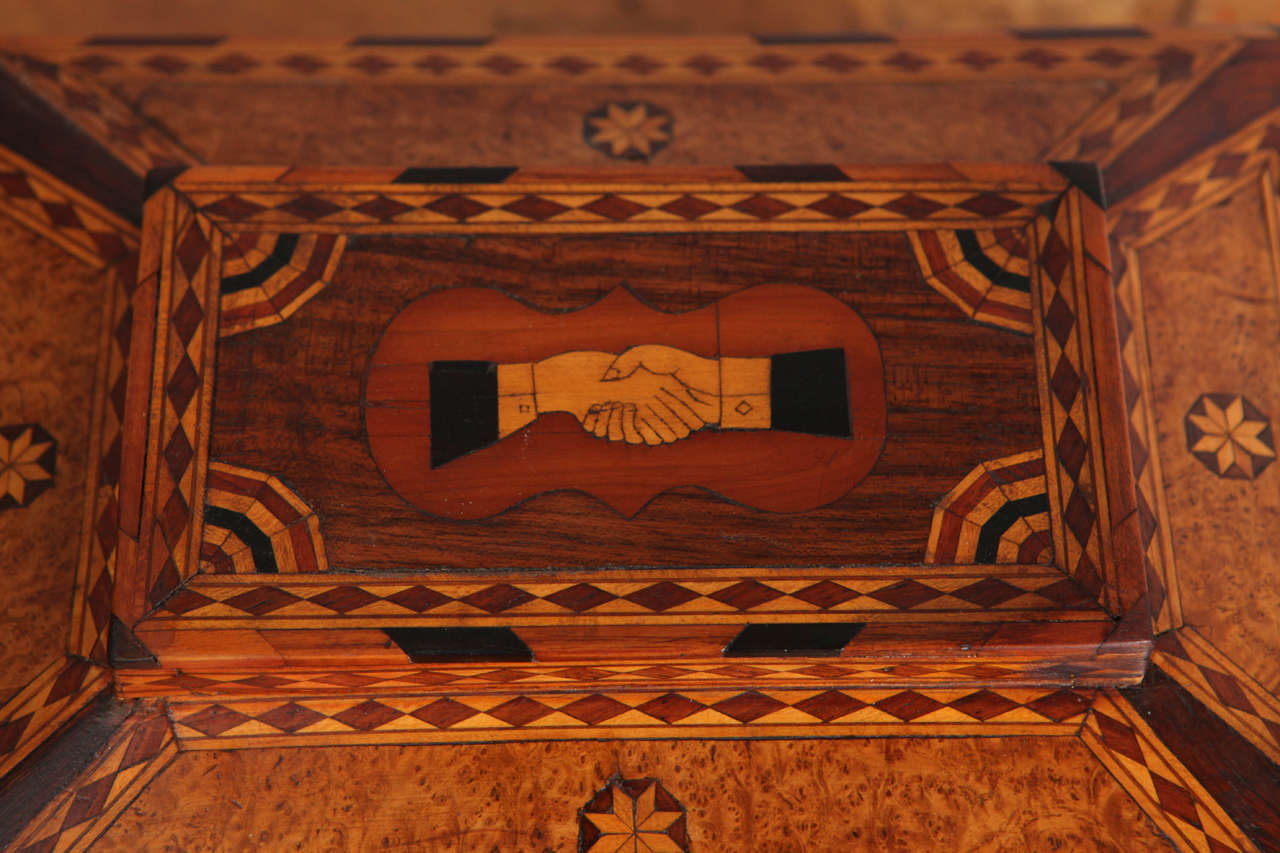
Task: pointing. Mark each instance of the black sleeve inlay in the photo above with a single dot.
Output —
(464, 408)
(455, 175)
(804, 639)
(794, 173)
(809, 392)
(443, 645)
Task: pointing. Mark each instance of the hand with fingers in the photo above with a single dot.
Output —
(650, 394)
(698, 393)
(728, 392)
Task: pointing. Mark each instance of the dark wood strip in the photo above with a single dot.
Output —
(1231, 97)
(1234, 772)
(54, 766)
(1081, 33)
(770, 39)
(31, 127)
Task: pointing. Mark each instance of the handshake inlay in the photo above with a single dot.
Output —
(649, 394)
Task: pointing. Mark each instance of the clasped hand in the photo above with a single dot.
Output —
(649, 394)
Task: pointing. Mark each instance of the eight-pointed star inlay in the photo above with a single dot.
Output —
(26, 464)
(1230, 436)
(632, 130)
(632, 816)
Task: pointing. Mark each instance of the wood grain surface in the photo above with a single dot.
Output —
(1008, 121)
(935, 364)
(51, 334)
(1222, 258)
(1209, 302)
(990, 794)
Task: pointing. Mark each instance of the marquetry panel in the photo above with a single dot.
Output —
(280, 233)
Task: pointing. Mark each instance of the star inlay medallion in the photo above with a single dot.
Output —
(27, 455)
(632, 816)
(631, 130)
(1230, 436)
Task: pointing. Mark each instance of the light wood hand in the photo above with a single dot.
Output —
(650, 394)
(731, 392)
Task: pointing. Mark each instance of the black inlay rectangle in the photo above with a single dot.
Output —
(809, 392)
(1081, 33)
(464, 408)
(455, 175)
(1235, 772)
(821, 38)
(264, 556)
(445, 645)
(793, 639)
(155, 41)
(793, 173)
(420, 41)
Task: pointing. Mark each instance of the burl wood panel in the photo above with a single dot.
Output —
(49, 328)
(990, 794)
(1209, 293)
(529, 125)
(288, 401)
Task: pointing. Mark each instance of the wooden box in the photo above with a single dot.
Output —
(749, 430)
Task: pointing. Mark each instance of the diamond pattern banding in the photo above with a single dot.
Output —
(458, 599)
(135, 754)
(1075, 481)
(281, 208)
(1205, 179)
(1224, 688)
(99, 113)
(143, 683)
(48, 701)
(741, 61)
(54, 210)
(182, 342)
(477, 717)
(1158, 782)
(1139, 103)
